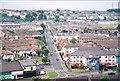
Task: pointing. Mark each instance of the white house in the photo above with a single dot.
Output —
(28, 65)
(70, 48)
(108, 59)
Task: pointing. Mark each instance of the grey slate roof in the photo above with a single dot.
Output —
(86, 53)
(27, 62)
(10, 66)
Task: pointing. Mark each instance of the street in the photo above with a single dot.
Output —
(57, 65)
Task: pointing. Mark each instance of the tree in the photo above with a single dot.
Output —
(104, 18)
(58, 11)
(45, 52)
(42, 16)
(34, 14)
(73, 41)
(118, 69)
(41, 31)
(29, 17)
(57, 18)
(39, 52)
(118, 27)
(43, 26)
(4, 15)
(86, 30)
(45, 60)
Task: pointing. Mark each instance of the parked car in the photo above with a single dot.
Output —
(57, 59)
(111, 73)
(51, 54)
(42, 72)
(42, 67)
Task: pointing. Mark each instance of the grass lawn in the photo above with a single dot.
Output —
(39, 61)
(109, 25)
(52, 74)
(78, 70)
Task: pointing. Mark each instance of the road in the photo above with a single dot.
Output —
(57, 65)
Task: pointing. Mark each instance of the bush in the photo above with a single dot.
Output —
(104, 78)
(35, 78)
(81, 67)
(73, 41)
(118, 69)
(45, 60)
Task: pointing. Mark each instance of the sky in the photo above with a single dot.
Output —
(53, 5)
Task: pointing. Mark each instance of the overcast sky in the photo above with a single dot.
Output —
(72, 5)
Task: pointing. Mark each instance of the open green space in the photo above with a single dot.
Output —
(76, 69)
(43, 60)
(109, 25)
(39, 61)
(52, 74)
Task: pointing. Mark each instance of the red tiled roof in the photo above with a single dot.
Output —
(4, 52)
(32, 47)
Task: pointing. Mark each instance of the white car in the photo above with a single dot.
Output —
(42, 72)
(50, 54)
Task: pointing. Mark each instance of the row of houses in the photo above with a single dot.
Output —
(90, 51)
(82, 26)
(65, 14)
(15, 48)
(21, 26)
(18, 41)
(18, 44)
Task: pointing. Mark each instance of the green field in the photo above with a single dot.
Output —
(109, 25)
(39, 61)
(52, 74)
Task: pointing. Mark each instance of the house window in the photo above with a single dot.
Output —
(77, 60)
(31, 68)
(80, 61)
(113, 57)
(99, 56)
(73, 57)
(77, 56)
(113, 60)
(19, 76)
(81, 57)
(106, 57)
(106, 60)
(74, 61)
